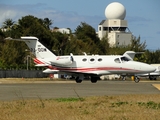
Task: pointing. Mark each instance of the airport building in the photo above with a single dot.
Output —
(115, 27)
(61, 30)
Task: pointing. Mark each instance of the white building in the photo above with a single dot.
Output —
(115, 26)
(62, 30)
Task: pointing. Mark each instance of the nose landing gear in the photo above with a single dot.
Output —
(136, 79)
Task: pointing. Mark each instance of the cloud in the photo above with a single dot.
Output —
(59, 18)
(12, 12)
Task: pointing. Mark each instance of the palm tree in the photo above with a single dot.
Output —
(47, 22)
(8, 23)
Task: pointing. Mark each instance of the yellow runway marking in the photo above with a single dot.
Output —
(157, 86)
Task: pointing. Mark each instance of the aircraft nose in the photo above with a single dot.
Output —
(150, 68)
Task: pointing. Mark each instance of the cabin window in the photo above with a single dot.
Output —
(92, 59)
(117, 60)
(84, 59)
(99, 59)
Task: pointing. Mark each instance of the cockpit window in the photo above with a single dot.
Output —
(125, 59)
(117, 60)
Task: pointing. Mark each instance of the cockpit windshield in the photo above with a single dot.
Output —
(124, 59)
(121, 59)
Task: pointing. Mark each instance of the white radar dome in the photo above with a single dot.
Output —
(115, 10)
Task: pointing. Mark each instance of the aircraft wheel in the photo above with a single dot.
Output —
(136, 79)
(123, 78)
(94, 79)
(78, 80)
(154, 78)
(150, 77)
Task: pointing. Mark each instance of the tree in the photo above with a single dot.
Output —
(8, 23)
(7, 26)
(60, 43)
(85, 31)
(2, 36)
(76, 46)
(28, 25)
(12, 54)
(152, 57)
(136, 44)
(104, 46)
(32, 26)
(47, 22)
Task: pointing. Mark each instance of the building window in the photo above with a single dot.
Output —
(104, 28)
(99, 28)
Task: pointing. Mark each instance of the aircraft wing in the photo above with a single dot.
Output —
(79, 71)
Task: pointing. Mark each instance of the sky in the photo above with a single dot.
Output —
(143, 16)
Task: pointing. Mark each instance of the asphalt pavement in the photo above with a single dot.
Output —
(62, 89)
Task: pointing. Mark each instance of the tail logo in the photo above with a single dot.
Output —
(42, 50)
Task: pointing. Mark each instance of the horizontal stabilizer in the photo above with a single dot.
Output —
(50, 71)
(38, 49)
(41, 65)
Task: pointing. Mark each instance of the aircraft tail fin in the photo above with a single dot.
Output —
(38, 49)
(131, 54)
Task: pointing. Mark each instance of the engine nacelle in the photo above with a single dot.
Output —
(62, 60)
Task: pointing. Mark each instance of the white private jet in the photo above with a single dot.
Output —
(80, 66)
(152, 75)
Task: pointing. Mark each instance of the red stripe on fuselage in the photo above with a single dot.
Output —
(92, 69)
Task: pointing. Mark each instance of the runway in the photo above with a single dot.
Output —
(51, 90)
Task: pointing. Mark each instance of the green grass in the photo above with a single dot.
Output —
(120, 107)
(69, 99)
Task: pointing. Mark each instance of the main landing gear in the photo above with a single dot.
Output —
(94, 79)
(78, 79)
(151, 77)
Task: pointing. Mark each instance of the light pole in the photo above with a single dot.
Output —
(27, 60)
(28, 56)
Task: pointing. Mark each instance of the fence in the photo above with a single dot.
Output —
(22, 73)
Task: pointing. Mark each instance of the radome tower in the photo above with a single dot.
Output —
(115, 25)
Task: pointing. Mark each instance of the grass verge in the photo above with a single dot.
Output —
(122, 107)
